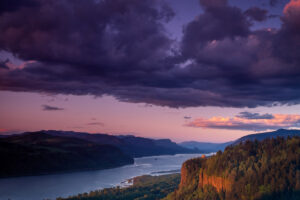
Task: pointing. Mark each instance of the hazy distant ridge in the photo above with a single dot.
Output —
(214, 147)
(273, 134)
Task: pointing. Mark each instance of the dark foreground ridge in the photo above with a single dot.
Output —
(258, 170)
(39, 153)
(46, 152)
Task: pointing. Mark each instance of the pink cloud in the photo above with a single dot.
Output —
(291, 7)
(20, 66)
(241, 123)
(3, 130)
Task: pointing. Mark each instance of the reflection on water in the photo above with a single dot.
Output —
(52, 186)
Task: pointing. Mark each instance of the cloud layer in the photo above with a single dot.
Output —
(121, 48)
(51, 108)
(255, 122)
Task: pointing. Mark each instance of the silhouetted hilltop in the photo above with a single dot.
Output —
(131, 145)
(40, 153)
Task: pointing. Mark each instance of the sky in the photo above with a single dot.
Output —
(205, 70)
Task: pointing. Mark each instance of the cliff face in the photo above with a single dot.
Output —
(189, 172)
(220, 183)
(192, 174)
(184, 176)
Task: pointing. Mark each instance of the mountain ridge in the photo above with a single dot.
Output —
(206, 147)
(271, 134)
(131, 145)
(37, 153)
(214, 147)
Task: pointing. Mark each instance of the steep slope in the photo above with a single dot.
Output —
(131, 145)
(39, 153)
(269, 169)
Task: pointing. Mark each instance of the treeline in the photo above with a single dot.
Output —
(144, 188)
(269, 169)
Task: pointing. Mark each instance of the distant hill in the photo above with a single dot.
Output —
(131, 145)
(273, 134)
(205, 147)
(40, 153)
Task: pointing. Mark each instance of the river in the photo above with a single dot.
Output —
(64, 185)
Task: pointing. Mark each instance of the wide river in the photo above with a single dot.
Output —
(64, 185)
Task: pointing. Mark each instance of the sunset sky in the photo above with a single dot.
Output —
(205, 70)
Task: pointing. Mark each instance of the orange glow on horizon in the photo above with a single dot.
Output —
(239, 123)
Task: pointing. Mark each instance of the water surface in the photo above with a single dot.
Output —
(64, 185)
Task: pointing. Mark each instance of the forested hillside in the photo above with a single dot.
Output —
(39, 153)
(269, 169)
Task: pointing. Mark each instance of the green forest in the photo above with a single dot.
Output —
(269, 169)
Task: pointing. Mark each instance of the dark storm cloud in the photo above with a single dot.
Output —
(12, 5)
(257, 14)
(276, 2)
(219, 21)
(51, 108)
(249, 115)
(102, 37)
(3, 64)
(273, 2)
(287, 42)
(121, 48)
(213, 3)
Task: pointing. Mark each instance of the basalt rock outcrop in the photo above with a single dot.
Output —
(193, 174)
(220, 183)
(189, 173)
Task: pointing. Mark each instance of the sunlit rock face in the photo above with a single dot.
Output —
(193, 174)
(220, 183)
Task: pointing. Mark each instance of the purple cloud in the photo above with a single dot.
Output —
(121, 48)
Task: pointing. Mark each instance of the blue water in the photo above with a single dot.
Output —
(64, 185)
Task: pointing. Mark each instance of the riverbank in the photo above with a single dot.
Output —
(64, 185)
(142, 188)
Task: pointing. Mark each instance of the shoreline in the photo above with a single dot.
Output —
(96, 169)
(140, 184)
(66, 184)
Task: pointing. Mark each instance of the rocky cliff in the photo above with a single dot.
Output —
(193, 174)
(220, 183)
(189, 172)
